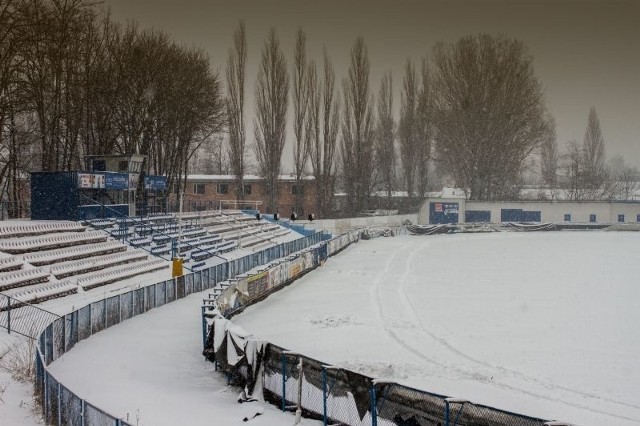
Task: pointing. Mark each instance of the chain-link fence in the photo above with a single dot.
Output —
(57, 335)
(19, 317)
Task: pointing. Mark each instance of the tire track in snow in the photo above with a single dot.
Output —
(418, 323)
(389, 274)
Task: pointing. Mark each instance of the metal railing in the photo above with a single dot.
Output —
(60, 405)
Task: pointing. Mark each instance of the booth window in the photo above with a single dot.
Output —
(592, 218)
(223, 188)
(246, 189)
(198, 188)
(620, 218)
(567, 217)
(123, 166)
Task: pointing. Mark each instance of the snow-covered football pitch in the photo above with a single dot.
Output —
(543, 324)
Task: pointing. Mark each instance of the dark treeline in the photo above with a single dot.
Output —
(73, 82)
(471, 114)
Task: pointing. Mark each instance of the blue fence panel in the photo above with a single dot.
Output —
(171, 290)
(150, 298)
(188, 284)
(197, 281)
(70, 408)
(84, 323)
(95, 416)
(58, 338)
(98, 316)
(161, 293)
(126, 306)
(138, 302)
(71, 330)
(113, 310)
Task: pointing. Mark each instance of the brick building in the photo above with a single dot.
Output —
(210, 192)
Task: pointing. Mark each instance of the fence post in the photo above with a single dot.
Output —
(373, 406)
(8, 314)
(59, 404)
(283, 361)
(82, 408)
(46, 394)
(446, 412)
(324, 395)
(119, 308)
(204, 328)
(104, 313)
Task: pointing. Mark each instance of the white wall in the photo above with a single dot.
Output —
(340, 226)
(550, 211)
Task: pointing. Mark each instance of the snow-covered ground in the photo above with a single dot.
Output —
(543, 324)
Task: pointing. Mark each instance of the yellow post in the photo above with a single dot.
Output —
(176, 267)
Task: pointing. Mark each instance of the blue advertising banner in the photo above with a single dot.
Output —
(157, 183)
(116, 181)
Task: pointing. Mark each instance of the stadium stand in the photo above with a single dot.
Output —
(44, 260)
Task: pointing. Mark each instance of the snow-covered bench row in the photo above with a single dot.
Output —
(76, 267)
(107, 276)
(101, 223)
(11, 263)
(192, 233)
(28, 244)
(23, 278)
(250, 240)
(140, 241)
(206, 252)
(161, 249)
(72, 253)
(240, 232)
(9, 230)
(195, 243)
(39, 294)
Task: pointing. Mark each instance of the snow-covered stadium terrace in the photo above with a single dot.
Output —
(541, 324)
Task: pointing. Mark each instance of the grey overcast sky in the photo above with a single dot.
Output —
(586, 52)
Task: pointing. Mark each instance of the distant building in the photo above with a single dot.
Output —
(211, 192)
(454, 208)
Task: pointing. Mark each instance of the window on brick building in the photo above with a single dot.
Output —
(223, 188)
(198, 188)
(246, 189)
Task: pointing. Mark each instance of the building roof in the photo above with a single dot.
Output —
(247, 178)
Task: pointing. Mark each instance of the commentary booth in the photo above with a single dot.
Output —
(108, 187)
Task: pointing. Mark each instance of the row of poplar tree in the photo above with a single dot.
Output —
(74, 82)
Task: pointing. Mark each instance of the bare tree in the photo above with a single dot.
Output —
(489, 113)
(573, 170)
(385, 140)
(407, 128)
(300, 92)
(357, 130)
(594, 159)
(424, 130)
(323, 124)
(235, 73)
(549, 157)
(271, 95)
(626, 178)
